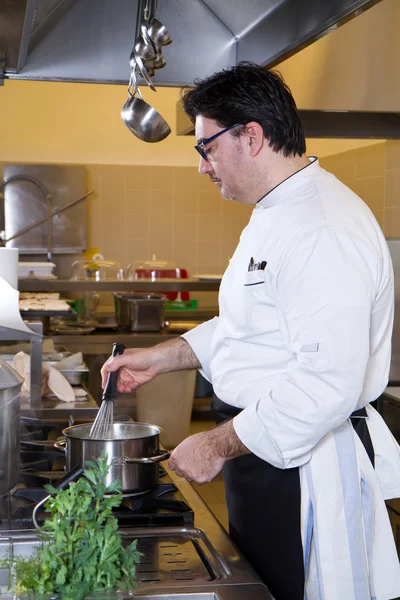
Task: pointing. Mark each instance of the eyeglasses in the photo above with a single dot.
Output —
(201, 145)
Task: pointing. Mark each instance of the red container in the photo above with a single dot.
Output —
(155, 270)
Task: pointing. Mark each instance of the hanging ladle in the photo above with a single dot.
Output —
(143, 120)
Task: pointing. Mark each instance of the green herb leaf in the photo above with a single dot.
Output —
(81, 548)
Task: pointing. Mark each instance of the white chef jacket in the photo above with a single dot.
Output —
(302, 344)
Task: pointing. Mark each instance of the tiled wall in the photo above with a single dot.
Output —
(177, 214)
(374, 174)
(171, 212)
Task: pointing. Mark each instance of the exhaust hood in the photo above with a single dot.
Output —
(91, 40)
(328, 124)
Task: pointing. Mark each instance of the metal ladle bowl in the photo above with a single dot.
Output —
(159, 33)
(142, 119)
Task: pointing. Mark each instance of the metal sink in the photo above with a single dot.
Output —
(171, 556)
(179, 563)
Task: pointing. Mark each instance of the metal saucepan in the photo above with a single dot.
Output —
(132, 450)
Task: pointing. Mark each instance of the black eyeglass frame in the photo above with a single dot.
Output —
(200, 146)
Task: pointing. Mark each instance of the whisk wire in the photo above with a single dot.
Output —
(103, 424)
(102, 427)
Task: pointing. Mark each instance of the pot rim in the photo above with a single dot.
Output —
(122, 439)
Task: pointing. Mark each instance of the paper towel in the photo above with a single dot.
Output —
(10, 316)
(9, 266)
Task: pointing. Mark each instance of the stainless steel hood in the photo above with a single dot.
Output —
(90, 40)
(328, 124)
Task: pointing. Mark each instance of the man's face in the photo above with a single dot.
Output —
(225, 165)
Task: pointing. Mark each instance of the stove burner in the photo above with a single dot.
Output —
(40, 464)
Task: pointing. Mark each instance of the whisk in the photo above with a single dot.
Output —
(103, 424)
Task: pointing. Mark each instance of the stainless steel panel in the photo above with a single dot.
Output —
(326, 124)
(295, 24)
(12, 16)
(240, 17)
(46, 15)
(172, 557)
(93, 40)
(139, 285)
(220, 571)
(24, 203)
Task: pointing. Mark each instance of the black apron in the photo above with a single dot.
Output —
(264, 512)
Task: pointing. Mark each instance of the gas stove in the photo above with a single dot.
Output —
(40, 463)
(186, 553)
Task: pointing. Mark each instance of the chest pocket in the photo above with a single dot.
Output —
(254, 278)
(256, 306)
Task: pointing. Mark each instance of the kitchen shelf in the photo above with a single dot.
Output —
(30, 284)
(34, 314)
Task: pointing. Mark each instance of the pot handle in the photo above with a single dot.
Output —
(61, 445)
(64, 482)
(146, 460)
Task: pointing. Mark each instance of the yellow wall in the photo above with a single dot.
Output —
(51, 122)
(355, 67)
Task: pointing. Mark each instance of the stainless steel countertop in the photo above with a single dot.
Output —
(233, 577)
(53, 408)
(101, 343)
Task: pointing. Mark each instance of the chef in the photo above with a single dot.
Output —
(300, 349)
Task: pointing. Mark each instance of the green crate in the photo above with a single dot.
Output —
(181, 305)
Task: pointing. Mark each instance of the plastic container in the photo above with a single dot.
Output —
(95, 269)
(167, 401)
(159, 269)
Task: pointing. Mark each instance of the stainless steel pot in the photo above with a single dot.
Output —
(139, 312)
(10, 387)
(133, 453)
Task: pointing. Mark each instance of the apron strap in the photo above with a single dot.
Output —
(359, 421)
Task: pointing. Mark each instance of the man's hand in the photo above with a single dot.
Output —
(136, 366)
(196, 459)
(139, 365)
(201, 457)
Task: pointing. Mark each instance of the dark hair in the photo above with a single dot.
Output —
(248, 92)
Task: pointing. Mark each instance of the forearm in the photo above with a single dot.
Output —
(226, 442)
(175, 355)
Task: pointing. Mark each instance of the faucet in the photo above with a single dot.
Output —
(47, 196)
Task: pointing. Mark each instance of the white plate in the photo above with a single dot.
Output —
(207, 277)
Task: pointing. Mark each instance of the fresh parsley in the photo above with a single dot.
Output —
(81, 551)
